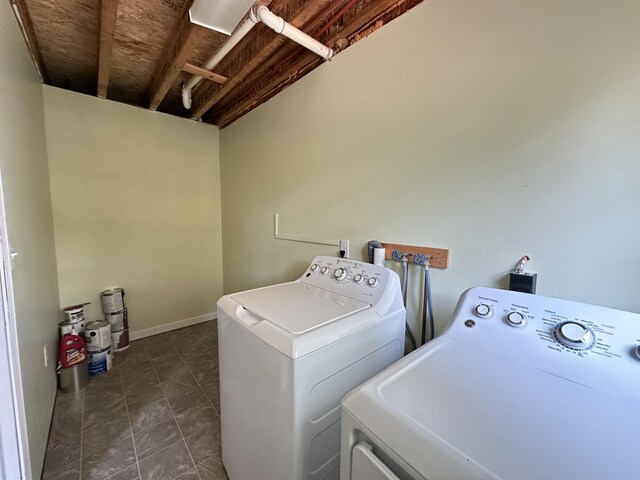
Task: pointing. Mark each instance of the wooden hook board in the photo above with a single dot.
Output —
(439, 256)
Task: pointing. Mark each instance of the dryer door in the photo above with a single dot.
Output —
(366, 466)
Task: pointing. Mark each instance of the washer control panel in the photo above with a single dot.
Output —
(587, 344)
(358, 280)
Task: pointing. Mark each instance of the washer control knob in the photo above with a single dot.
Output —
(575, 335)
(516, 319)
(359, 278)
(340, 273)
(483, 310)
(638, 352)
(314, 267)
(373, 282)
(324, 270)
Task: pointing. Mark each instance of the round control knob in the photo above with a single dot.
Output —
(372, 282)
(359, 278)
(314, 267)
(516, 319)
(638, 352)
(483, 310)
(340, 274)
(324, 270)
(575, 335)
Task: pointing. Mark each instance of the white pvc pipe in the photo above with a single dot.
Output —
(238, 34)
(276, 23)
(258, 13)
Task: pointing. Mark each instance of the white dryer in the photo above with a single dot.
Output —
(518, 387)
(288, 355)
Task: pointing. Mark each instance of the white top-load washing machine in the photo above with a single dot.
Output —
(288, 355)
(519, 387)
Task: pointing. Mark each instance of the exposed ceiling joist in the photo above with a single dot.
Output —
(141, 52)
(288, 68)
(298, 69)
(207, 74)
(208, 95)
(26, 25)
(176, 53)
(108, 15)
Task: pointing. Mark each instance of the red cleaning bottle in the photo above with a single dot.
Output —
(73, 350)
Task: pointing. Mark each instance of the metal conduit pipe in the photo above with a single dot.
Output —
(258, 13)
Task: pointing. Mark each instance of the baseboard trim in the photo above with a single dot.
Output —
(167, 327)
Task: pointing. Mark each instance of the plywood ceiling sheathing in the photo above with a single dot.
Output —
(142, 51)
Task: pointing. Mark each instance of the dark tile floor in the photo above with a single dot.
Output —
(154, 416)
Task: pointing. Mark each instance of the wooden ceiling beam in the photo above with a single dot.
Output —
(207, 74)
(28, 32)
(176, 52)
(303, 65)
(108, 15)
(367, 20)
(208, 95)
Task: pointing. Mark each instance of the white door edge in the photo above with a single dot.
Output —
(14, 456)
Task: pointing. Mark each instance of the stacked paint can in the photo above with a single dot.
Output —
(73, 320)
(97, 335)
(117, 315)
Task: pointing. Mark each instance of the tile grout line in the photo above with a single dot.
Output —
(173, 413)
(133, 440)
(84, 399)
(194, 376)
(206, 396)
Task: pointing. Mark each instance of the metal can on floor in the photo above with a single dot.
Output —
(73, 378)
(112, 300)
(97, 334)
(100, 361)
(120, 340)
(118, 320)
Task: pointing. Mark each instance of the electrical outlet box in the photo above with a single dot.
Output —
(523, 282)
(344, 246)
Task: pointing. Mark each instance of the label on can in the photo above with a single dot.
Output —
(66, 327)
(119, 320)
(112, 300)
(100, 361)
(120, 340)
(97, 334)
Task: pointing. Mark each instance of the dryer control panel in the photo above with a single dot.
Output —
(362, 281)
(595, 346)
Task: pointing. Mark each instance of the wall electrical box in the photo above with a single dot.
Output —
(523, 282)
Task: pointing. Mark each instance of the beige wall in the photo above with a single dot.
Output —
(25, 182)
(136, 204)
(492, 128)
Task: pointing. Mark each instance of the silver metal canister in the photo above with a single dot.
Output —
(74, 378)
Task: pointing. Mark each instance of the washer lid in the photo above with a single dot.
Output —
(453, 411)
(297, 307)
